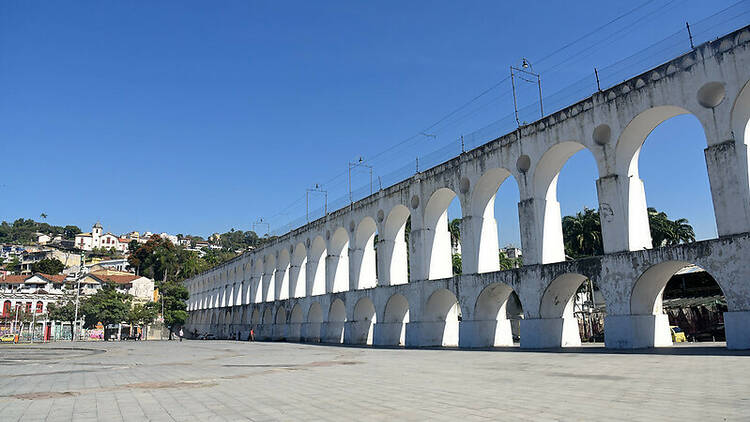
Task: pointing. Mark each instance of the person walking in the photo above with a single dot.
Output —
(252, 335)
(181, 334)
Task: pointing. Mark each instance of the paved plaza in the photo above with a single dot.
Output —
(227, 381)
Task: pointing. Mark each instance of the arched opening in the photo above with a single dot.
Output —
(656, 145)
(315, 314)
(337, 262)
(361, 327)
(572, 297)
(282, 275)
(741, 127)
(440, 323)
(316, 267)
(297, 316)
(336, 321)
(255, 317)
(679, 297)
(312, 330)
(257, 282)
(497, 314)
(567, 166)
(396, 316)
(440, 238)
(298, 271)
(269, 276)
(364, 273)
(494, 199)
(393, 250)
(281, 315)
(268, 316)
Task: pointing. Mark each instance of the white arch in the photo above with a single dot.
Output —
(297, 316)
(282, 275)
(281, 315)
(481, 254)
(337, 311)
(364, 319)
(550, 238)
(268, 316)
(437, 239)
(443, 311)
(392, 248)
(337, 263)
(316, 267)
(559, 296)
(298, 271)
(269, 277)
(397, 312)
(363, 255)
(315, 314)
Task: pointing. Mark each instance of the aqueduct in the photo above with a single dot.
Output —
(325, 282)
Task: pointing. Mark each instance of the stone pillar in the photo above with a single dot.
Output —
(358, 332)
(389, 334)
(636, 331)
(311, 332)
(623, 213)
(281, 284)
(362, 268)
(541, 231)
(431, 333)
(430, 253)
(294, 280)
(332, 332)
(544, 333)
(314, 277)
(485, 333)
(293, 332)
(727, 164)
(392, 261)
(737, 329)
(479, 245)
(337, 269)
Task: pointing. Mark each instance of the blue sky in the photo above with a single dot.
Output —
(197, 117)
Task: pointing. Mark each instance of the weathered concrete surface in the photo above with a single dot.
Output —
(335, 257)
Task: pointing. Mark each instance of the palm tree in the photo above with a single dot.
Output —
(454, 227)
(582, 234)
(43, 215)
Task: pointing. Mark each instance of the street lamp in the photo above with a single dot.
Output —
(519, 73)
(361, 163)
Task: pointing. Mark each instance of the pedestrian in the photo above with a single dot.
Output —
(181, 334)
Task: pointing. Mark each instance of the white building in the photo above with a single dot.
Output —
(98, 239)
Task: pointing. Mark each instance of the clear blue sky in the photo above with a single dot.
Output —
(197, 117)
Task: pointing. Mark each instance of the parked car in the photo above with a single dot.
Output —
(208, 336)
(8, 338)
(678, 336)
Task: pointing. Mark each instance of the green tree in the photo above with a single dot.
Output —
(107, 306)
(457, 264)
(48, 266)
(508, 263)
(142, 314)
(454, 227)
(666, 232)
(582, 234)
(14, 266)
(173, 296)
(64, 309)
(70, 232)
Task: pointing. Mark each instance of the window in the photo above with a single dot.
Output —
(39, 307)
